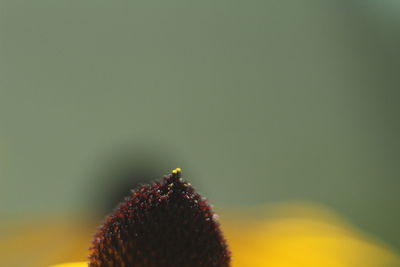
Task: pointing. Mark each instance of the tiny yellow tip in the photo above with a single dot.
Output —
(177, 170)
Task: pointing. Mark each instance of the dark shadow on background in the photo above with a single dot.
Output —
(123, 169)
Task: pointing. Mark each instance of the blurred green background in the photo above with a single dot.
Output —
(258, 102)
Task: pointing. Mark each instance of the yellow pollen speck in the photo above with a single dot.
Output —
(177, 170)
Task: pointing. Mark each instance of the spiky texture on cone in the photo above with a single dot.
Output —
(161, 225)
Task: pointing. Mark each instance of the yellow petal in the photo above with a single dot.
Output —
(295, 236)
(72, 264)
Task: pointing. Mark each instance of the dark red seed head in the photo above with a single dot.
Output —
(161, 225)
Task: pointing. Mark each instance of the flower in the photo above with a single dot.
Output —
(289, 236)
(163, 224)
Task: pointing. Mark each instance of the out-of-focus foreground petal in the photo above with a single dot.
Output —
(302, 235)
(278, 236)
(72, 264)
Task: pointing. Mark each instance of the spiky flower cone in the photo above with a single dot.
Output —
(161, 225)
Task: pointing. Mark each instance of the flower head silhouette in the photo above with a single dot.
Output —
(168, 224)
